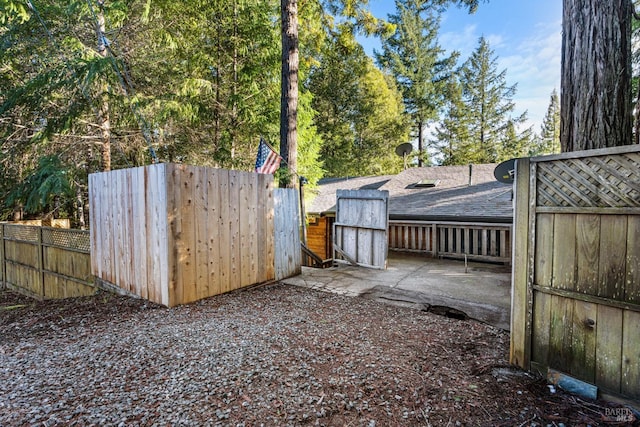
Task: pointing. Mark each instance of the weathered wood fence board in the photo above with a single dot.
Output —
(475, 241)
(360, 229)
(288, 259)
(176, 233)
(45, 262)
(576, 306)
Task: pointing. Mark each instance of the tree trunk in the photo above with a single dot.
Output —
(289, 92)
(595, 105)
(420, 143)
(234, 86)
(103, 111)
(80, 209)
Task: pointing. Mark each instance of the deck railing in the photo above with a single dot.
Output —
(474, 241)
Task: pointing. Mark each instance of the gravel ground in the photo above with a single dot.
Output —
(274, 355)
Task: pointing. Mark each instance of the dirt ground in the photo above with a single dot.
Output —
(270, 355)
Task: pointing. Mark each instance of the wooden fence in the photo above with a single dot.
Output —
(45, 262)
(360, 229)
(174, 234)
(576, 289)
(288, 256)
(475, 241)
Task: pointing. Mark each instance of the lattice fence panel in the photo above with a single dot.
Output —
(68, 239)
(21, 233)
(600, 181)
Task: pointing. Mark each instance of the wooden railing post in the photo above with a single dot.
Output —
(434, 240)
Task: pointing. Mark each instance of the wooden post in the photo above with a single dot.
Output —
(303, 214)
(520, 347)
(3, 262)
(40, 263)
(434, 239)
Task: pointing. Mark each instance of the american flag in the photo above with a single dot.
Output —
(268, 160)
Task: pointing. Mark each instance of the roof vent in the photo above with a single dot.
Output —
(427, 183)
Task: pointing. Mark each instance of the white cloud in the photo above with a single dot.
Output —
(464, 41)
(535, 65)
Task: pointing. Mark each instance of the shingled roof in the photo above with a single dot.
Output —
(458, 196)
(325, 199)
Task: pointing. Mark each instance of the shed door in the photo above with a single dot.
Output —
(360, 230)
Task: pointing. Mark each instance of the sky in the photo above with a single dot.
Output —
(525, 35)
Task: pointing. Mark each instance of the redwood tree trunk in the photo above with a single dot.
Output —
(289, 91)
(595, 104)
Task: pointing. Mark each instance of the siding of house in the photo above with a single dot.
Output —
(319, 236)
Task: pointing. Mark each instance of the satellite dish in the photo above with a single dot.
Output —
(404, 149)
(505, 171)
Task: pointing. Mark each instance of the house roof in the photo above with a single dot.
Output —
(325, 199)
(452, 199)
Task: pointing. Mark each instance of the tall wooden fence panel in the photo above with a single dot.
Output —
(576, 294)
(288, 256)
(175, 233)
(44, 262)
(360, 229)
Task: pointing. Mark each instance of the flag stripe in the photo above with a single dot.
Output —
(267, 160)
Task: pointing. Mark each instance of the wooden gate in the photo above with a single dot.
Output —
(576, 294)
(360, 229)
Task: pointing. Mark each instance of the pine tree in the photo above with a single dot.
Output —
(360, 114)
(451, 136)
(549, 142)
(418, 63)
(515, 144)
(481, 127)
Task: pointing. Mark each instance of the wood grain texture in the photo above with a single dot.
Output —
(583, 340)
(609, 348)
(520, 353)
(630, 382)
(632, 284)
(613, 251)
(561, 333)
(564, 251)
(543, 268)
(201, 232)
(362, 222)
(224, 230)
(541, 328)
(586, 274)
(288, 256)
(177, 233)
(587, 252)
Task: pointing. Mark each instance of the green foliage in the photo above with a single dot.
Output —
(360, 114)
(310, 142)
(478, 126)
(416, 60)
(49, 182)
(200, 82)
(13, 10)
(419, 65)
(549, 141)
(215, 86)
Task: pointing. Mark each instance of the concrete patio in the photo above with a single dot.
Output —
(478, 291)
